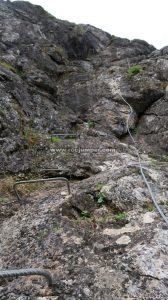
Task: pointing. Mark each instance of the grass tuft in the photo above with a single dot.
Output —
(132, 71)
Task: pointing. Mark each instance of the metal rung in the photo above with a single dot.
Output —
(40, 180)
(27, 272)
(63, 134)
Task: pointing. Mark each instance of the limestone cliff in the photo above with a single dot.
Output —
(105, 241)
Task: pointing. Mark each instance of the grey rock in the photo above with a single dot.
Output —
(59, 75)
(152, 128)
(105, 240)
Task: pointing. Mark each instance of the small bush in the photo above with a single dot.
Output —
(55, 139)
(31, 137)
(132, 71)
(85, 214)
(100, 198)
(79, 30)
(3, 200)
(121, 216)
(90, 123)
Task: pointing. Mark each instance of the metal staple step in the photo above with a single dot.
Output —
(27, 272)
(39, 180)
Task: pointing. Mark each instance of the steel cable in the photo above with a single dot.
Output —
(140, 164)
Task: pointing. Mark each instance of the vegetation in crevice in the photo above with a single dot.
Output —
(132, 71)
(10, 67)
(100, 198)
(149, 206)
(85, 214)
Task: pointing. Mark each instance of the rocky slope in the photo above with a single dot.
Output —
(105, 240)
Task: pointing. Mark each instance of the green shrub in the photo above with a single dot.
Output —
(79, 30)
(132, 71)
(90, 123)
(30, 136)
(85, 214)
(121, 216)
(3, 200)
(55, 139)
(100, 198)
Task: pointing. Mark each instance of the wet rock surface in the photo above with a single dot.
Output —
(106, 240)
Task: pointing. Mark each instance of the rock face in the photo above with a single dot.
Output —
(57, 77)
(105, 240)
